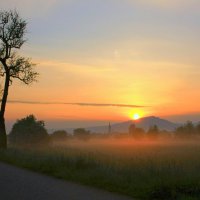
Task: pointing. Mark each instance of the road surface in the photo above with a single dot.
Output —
(20, 184)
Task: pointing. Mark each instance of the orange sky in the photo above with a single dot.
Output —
(132, 52)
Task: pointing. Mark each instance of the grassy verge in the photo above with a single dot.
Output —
(156, 171)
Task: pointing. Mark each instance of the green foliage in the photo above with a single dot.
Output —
(164, 170)
(28, 131)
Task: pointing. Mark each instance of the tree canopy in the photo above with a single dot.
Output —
(28, 131)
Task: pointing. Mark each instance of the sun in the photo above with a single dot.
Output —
(136, 116)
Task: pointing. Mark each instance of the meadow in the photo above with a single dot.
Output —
(144, 169)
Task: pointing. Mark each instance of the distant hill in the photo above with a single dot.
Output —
(144, 123)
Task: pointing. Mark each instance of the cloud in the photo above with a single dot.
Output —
(77, 104)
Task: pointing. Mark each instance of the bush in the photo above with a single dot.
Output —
(81, 133)
(28, 131)
(59, 135)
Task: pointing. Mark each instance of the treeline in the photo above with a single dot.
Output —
(30, 131)
(187, 130)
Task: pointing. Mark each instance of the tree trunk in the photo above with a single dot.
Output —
(3, 136)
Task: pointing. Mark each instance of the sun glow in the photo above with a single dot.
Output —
(136, 116)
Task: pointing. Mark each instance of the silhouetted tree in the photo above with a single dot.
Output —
(153, 132)
(59, 135)
(136, 132)
(188, 129)
(81, 133)
(28, 131)
(12, 66)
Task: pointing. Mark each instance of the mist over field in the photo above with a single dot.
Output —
(150, 163)
(162, 168)
(101, 93)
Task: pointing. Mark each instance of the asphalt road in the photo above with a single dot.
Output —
(20, 184)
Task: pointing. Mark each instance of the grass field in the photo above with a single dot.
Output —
(143, 169)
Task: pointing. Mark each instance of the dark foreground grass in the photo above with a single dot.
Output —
(161, 170)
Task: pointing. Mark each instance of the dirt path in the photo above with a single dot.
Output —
(20, 184)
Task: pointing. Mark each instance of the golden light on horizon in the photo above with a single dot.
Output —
(136, 116)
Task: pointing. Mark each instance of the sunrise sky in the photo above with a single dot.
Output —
(130, 52)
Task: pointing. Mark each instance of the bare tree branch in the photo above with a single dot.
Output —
(22, 69)
(12, 66)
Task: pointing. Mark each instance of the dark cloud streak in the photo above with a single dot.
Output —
(77, 104)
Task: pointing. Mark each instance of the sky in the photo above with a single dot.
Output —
(104, 60)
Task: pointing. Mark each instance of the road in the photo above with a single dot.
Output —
(20, 184)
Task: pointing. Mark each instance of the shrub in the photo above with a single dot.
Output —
(28, 131)
(59, 135)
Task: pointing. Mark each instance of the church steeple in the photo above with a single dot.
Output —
(109, 128)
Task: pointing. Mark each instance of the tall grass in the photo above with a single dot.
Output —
(144, 169)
